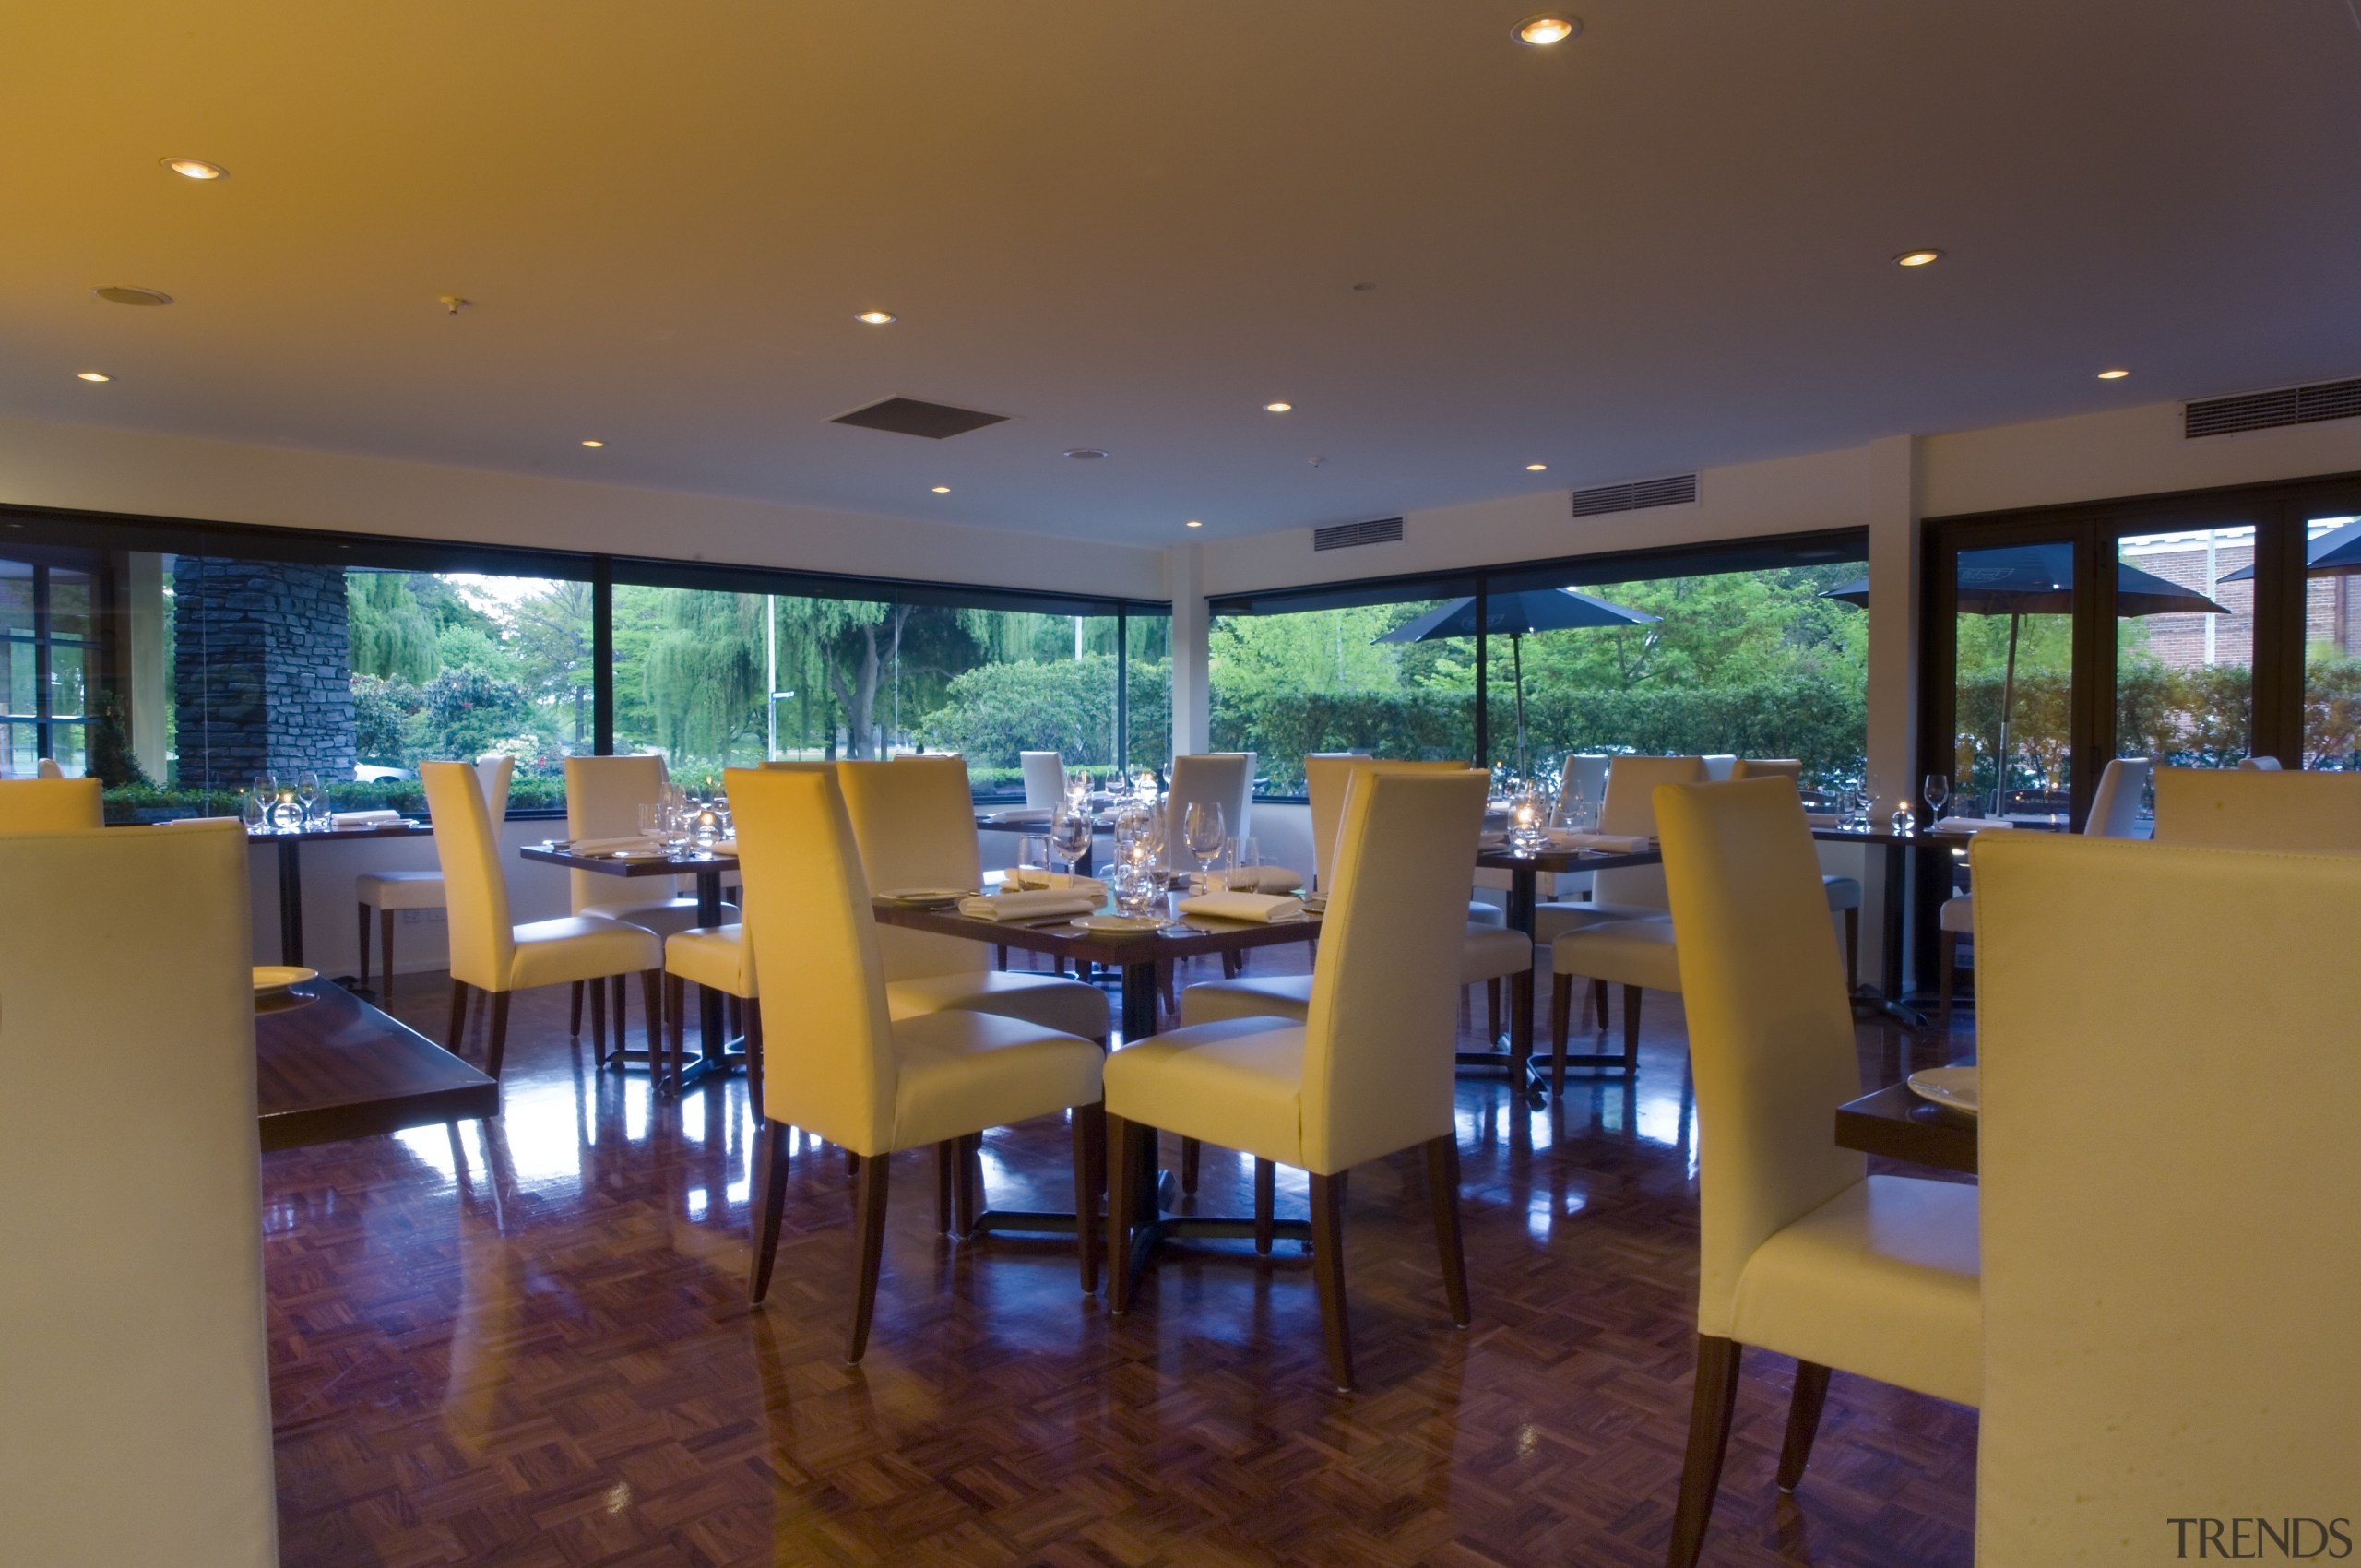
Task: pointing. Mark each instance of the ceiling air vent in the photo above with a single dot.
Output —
(1344, 536)
(2264, 411)
(1678, 491)
(915, 416)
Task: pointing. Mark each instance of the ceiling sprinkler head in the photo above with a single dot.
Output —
(452, 305)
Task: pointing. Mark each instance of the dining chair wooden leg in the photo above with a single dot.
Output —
(1193, 1154)
(574, 1023)
(1852, 949)
(766, 1219)
(1630, 1029)
(1946, 972)
(676, 1012)
(1596, 1007)
(615, 999)
(1000, 955)
(1328, 1276)
(1232, 965)
(1122, 1162)
(386, 946)
(499, 1046)
(1493, 1010)
(869, 1223)
(459, 1017)
(970, 1188)
(1089, 1159)
(1164, 982)
(364, 945)
(1803, 1422)
(1710, 1406)
(946, 1155)
(754, 1048)
(1266, 1205)
(1562, 1003)
(1465, 1020)
(651, 992)
(599, 1022)
(1443, 1189)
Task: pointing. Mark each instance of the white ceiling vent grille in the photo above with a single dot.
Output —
(2264, 411)
(1346, 536)
(1678, 491)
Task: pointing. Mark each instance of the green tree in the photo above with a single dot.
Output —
(467, 711)
(393, 636)
(703, 673)
(549, 639)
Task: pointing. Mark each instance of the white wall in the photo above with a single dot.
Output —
(93, 469)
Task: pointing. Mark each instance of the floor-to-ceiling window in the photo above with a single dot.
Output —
(49, 660)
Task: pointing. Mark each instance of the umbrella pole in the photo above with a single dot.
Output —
(2008, 700)
(1516, 657)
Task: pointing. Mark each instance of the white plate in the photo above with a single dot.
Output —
(272, 979)
(1314, 903)
(638, 855)
(1955, 1088)
(1121, 925)
(925, 895)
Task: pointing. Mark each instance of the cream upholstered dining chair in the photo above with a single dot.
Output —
(844, 1067)
(2256, 809)
(2175, 1339)
(1368, 1072)
(47, 769)
(132, 1304)
(489, 952)
(1799, 1252)
(1045, 779)
(1621, 936)
(1225, 778)
(389, 892)
(603, 795)
(1844, 891)
(2260, 764)
(2114, 813)
(51, 805)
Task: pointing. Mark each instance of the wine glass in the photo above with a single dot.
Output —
(1070, 839)
(1935, 790)
(256, 809)
(307, 792)
(1032, 860)
(1203, 830)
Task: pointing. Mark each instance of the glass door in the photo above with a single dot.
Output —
(2013, 689)
(2184, 645)
(2332, 643)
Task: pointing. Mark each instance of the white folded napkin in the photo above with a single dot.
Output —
(1032, 879)
(1261, 879)
(1040, 905)
(1021, 814)
(1969, 825)
(361, 819)
(1613, 843)
(1261, 908)
(726, 847)
(609, 846)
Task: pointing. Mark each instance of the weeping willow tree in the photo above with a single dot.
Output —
(705, 672)
(393, 636)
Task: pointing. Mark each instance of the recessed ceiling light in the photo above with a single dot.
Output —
(1546, 28)
(876, 319)
(123, 294)
(1085, 454)
(1276, 408)
(92, 375)
(194, 168)
(594, 444)
(1536, 467)
(1195, 523)
(2113, 375)
(1917, 258)
(942, 489)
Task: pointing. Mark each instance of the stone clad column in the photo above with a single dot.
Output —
(263, 662)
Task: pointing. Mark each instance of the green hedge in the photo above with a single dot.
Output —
(147, 802)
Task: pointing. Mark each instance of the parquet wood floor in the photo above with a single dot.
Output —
(527, 1344)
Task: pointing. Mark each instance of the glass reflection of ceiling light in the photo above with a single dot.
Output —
(1917, 258)
(194, 168)
(876, 319)
(92, 375)
(1276, 408)
(1546, 28)
(594, 444)
(2113, 375)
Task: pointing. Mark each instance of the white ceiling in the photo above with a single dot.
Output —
(1662, 247)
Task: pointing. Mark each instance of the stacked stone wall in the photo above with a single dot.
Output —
(262, 659)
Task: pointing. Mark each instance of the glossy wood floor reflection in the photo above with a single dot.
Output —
(527, 1343)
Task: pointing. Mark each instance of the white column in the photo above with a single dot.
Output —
(1184, 580)
(1890, 507)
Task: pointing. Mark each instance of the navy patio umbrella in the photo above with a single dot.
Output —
(2018, 580)
(2335, 554)
(1514, 615)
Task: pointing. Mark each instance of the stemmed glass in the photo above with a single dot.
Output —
(256, 811)
(1069, 837)
(1935, 790)
(1204, 831)
(307, 792)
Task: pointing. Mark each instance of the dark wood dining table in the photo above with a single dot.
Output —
(289, 847)
(329, 1066)
(1894, 1123)
(715, 1054)
(1134, 957)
